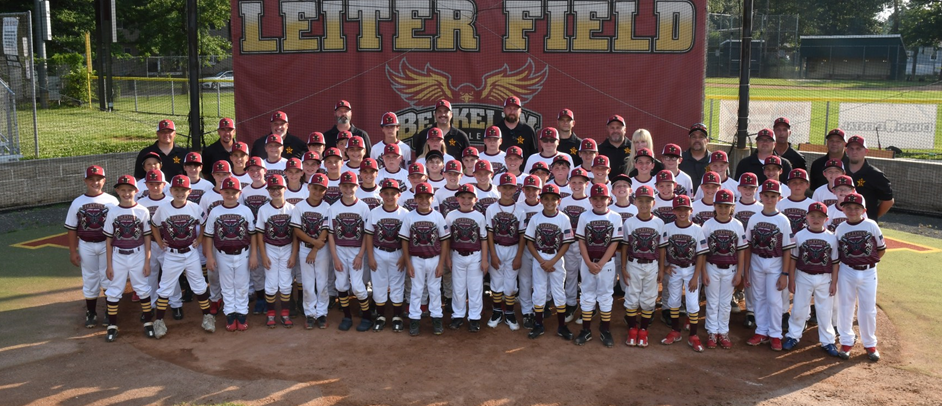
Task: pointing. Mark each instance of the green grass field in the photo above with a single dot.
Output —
(71, 131)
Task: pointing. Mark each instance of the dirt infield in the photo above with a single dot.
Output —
(47, 357)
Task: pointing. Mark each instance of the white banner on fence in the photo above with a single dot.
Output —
(10, 25)
(905, 126)
(761, 115)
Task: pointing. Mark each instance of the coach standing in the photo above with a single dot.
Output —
(171, 156)
(343, 113)
(697, 156)
(455, 140)
(294, 147)
(514, 132)
(870, 182)
(783, 148)
(835, 144)
(617, 146)
(219, 150)
(765, 146)
(569, 142)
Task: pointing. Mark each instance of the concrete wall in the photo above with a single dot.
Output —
(39, 182)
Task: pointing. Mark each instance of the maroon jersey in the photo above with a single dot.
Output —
(127, 226)
(684, 244)
(348, 222)
(506, 222)
(231, 228)
(384, 226)
(815, 252)
(425, 233)
(275, 224)
(644, 237)
(770, 235)
(599, 231)
(724, 240)
(178, 226)
(87, 216)
(859, 244)
(468, 230)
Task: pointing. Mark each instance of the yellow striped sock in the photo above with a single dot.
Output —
(631, 312)
(300, 287)
(112, 309)
(675, 312)
(162, 303)
(606, 316)
(270, 299)
(205, 272)
(344, 301)
(509, 300)
(285, 297)
(647, 314)
(145, 305)
(497, 297)
(204, 304)
(586, 316)
(396, 304)
(384, 304)
(561, 309)
(365, 305)
(538, 308)
(694, 317)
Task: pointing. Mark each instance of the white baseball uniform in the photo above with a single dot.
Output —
(468, 236)
(548, 160)
(663, 208)
(549, 234)
(815, 254)
(425, 233)
(625, 212)
(859, 245)
(683, 185)
(485, 197)
(127, 227)
(824, 195)
(370, 196)
(346, 167)
(770, 237)
(312, 220)
(724, 241)
(211, 199)
(684, 244)
(296, 196)
(525, 275)
(445, 200)
(505, 223)
(275, 168)
(157, 255)
(244, 180)
(254, 198)
(564, 189)
(179, 228)
(198, 189)
(743, 212)
(636, 183)
(797, 213)
(231, 229)
(573, 207)
(498, 161)
(401, 175)
(598, 232)
(701, 212)
(347, 223)
(643, 238)
(333, 191)
(836, 217)
(86, 216)
(376, 152)
(729, 184)
(437, 185)
(388, 278)
(274, 224)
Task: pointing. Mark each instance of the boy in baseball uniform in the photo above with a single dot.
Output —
(278, 249)
(127, 253)
(664, 210)
(425, 237)
(643, 247)
(671, 157)
(621, 204)
(599, 232)
(230, 250)
(445, 200)
(832, 169)
(843, 186)
(176, 226)
(560, 169)
(726, 240)
(601, 167)
(255, 196)
(644, 163)
(294, 181)
(355, 154)
(152, 162)
(514, 159)
(389, 124)
(541, 170)
(506, 245)
(155, 183)
(468, 248)
(683, 259)
(813, 274)
(492, 152)
(212, 198)
(416, 177)
(275, 164)
(310, 222)
(393, 166)
(549, 235)
(719, 163)
(530, 205)
(84, 222)
(573, 206)
(240, 158)
(795, 207)
(770, 236)
(368, 191)
(193, 165)
(772, 168)
(315, 142)
(333, 161)
(311, 163)
(703, 208)
(588, 150)
(746, 206)
(485, 190)
(860, 247)
(348, 247)
(385, 256)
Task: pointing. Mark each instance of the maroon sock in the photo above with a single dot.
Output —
(587, 325)
(112, 313)
(397, 310)
(633, 321)
(381, 310)
(693, 329)
(675, 323)
(91, 304)
(561, 319)
(344, 304)
(204, 301)
(604, 326)
(539, 317)
(365, 313)
(644, 322)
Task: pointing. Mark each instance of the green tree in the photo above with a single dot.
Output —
(921, 23)
(160, 26)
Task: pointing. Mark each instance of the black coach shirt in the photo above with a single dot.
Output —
(752, 164)
(816, 172)
(330, 139)
(171, 164)
(795, 158)
(695, 168)
(455, 141)
(294, 147)
(211, 154)
(522, 136)
(873, 185)
(616, 156)
(571, 146)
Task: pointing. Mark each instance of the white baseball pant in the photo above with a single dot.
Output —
(806, 287)
(127, 266)
(94, 264)
(642, 286)
(719, 294)
(468, 286)
(786, 300)
(765, 273)
(504, 279)
(278, 278)
(679, 283)
(550, 282)
(257, 275)
(350, 279)
(525, 276)
(388, 279)
(861, 287)
(234, 281)
(156, 262)
(597, 288)
(573, 264)
(176, 264)
(423, 280)
(314, 281)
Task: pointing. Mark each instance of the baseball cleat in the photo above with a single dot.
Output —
(564, 332)
(606, 338)
(694, 342)
(112, 334)
(474, 326)
(437, 327)
(711, 340)
(873, 354)
(160, 328)
(536, 331)
(789, 344)
(750, 321)
(242, 322)
(496, 318)
(632, 337)
(456, 324)
(286, 321)
(844, 353)
(397, 324)
(672, 337)
(642, 338)
(345, 324)
(776, 344)
(570, 313)
(309, 322)
(149, 330)
(380, 324)
(213, 308)
(413, 327)
(365, 325)
(177, 313)
(724, 341)
(583, 337)
(270, 321)
(831, 349)
(231, 323)
(91, 319)
(209, 323)
(529, 321)
(757, 340)
(511, 321)
(322, 322)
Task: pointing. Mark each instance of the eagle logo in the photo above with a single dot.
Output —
(599, 233)
(91, 217)
(311, 223)
(279, 227)
(128, 228)
(766, 237)
(232, 228)
(180, 228)
(424, 87)
(505, 226)
(856, 244)
(387, 230)
(465, 231)
(643, 241)
(723, 243)
(548, 237)
(816, 253)
(682, 249)
(424, 234)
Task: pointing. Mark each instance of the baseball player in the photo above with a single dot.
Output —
(152, 162)
(416, 177)
(193, 166)
(769, 235)
(832, 169)
(772, 169)
(599, 232)
(424, 236)
(343, 138)
(469, 160)
(588, 150)
(703, 209)
(549, 235)
(513, 160)
(485, 191)
(573, 206)
(530, 205)
(435, 166)
(445, 197)
(549, 142)
(644, 164)
(795, 207)
(746, 207)
(154, 181)
(230, 250)
(332, 163)
(843, 186)
(385, 258)
(506, 245)
(309, 220)
(278, 249)
(84, 222)
(275, 164)
(726, 240)
(492, 152)
(683, 258)
(294, 181)
(240, 158)
(860, 246)
(664, 201)
(601, 167)
(392, 166)
(347, 247)
(468, 249)
(719, 163)
(220, 171)
(177, 236)
(389, 124)
(813, 273)
(541, 170)
(643, 248)
(368, 191)
(671, 158)
(560, 171)
(315, 142)
(355, 151)
(311, 162)
(127, 254)
(255, 196)
(621, 192)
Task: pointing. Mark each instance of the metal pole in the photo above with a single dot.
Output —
(32, 79)
(40, 7)
(134, 84)
(173, 110)
(710, 123)
(827, 117)
(218, 102)
(102, 51)
(745, 60)
(193, 62)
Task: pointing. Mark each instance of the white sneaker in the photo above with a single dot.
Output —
(511, 321)
(209, 323)
(160, 328)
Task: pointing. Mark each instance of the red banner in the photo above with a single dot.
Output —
(643, 60)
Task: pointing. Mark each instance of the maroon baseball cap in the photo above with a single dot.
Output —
(664, 176)
(470, 151)
(771, 185)
(319, 179)
(343, 103)
(193, 158)
(782, 121)
(312, 156)
(166, 125)
(508, 178)
(126, 180)
(154, 176)
(273, 138)
(392, 149)
(843, 180)
(434, 133)
(180, 181)
(856, 139)
(711, 178)
(644, 152)
(349, 178)
(562, 159)
(255, 161)
(492, 132)
(514, 150)
(293, 163)
(424, 188)
(94, 170)
(773, 160)
(644, 191)
(818, 207)
(222, 167)
(834, 163)
(672, 150)
(798, 174)
(344, 135)
(589, 144)
(275, 181)
(617, 118)
(389, 118)
(565, 113)
(240, 147)
(453, 165)
(513, 101)
(837, 131)
(443, 103)
(853, 198)
(699, 127)
(579, 172)
(550, 189)
(369, 164)
(719, 156)
(466, 188)
(549, 133)
(356, 142)
(226, 123)
(279, 116)
(483, 166)
(765, 132)
(316, 138)
(533, 181)
(332, 152)
(724, 196)
(601, 160)
(599, 190)
(539, 166)
(417, 169)
(153, 155)
(621, 177)
(389, 184)
(681, 201)
(231, 183)
(748, 179)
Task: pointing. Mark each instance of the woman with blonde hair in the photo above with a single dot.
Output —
(641, 138)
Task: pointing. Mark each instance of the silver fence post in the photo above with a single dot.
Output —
(827, 117)
(172, 107)
(134, 83)
(710, 125)
(218, 112)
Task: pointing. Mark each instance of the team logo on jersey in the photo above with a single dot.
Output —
(797, 218)
(348, 226)
(387, 230)
(465, 231)
(232, 227)
(598, 233)
(573, 212)
(128, 227)
(723, 242)
(498, 167)
(279, 228)
(152, 210)
(424, 234)
(703, 216)
(856, 244)
(195, 195)
(815, 253)
(643, 240)
(665, 213)
(766, 237)
(680, 190)
(625, 216)
(372, 202)
(743, 216)
(332, 195)
(91, 217)
(505, 227)
(410, 204)
(549, 237)
(311, 223)
(255, 201)
(294, 200)
(836, 221)
(484, 203)
(180, 228)
(212, 205)
(829, 202)
(447, 206)
(682, 249)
